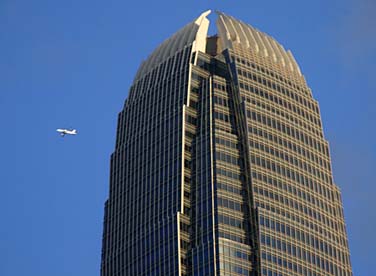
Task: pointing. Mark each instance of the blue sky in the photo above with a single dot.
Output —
(70, 64)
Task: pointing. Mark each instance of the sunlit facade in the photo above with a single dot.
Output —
(220, 165)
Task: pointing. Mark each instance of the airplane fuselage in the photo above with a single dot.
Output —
(63, 131)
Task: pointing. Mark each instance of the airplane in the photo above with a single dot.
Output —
(63, 131)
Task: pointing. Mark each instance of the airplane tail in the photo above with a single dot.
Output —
(74, 131)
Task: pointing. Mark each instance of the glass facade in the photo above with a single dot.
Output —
(220, 165)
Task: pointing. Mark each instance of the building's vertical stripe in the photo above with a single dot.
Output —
(212, 169)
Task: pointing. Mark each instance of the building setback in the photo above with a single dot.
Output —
(220, 165)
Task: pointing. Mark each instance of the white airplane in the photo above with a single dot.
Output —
(63, 131)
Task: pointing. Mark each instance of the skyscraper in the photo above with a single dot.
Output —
(220, 165)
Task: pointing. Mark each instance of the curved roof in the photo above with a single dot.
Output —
(232, 30)
(194, 33)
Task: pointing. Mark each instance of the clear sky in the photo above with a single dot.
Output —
(70, 64)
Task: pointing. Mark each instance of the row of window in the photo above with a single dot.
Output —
(229, 174)
(227, 143)
(229, 159)
(233, 252)
(301, 236)
(167, 68)
(288, 130)
(162, 166)
(299, 219)
(152, 118)
(287, 264)
(287, 144)
(163, 71)
(286, 171)
(301, 254)
(303, 151)
(231, 221)
(269, 73)
(222, 101)
(110, 268)
(255, 101)
(280, 88)
(229, 188)
(224, 117)
(149, 118)
(295, 191)
(269, 272)
(225, 123)
(146, 148)
(219, 86)
(290, 158)
(231, 267)
(140, 252)
(131, 127)
(293, 204)
(230, 204)
(237, 237)
(281, 102)
(148, 91)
